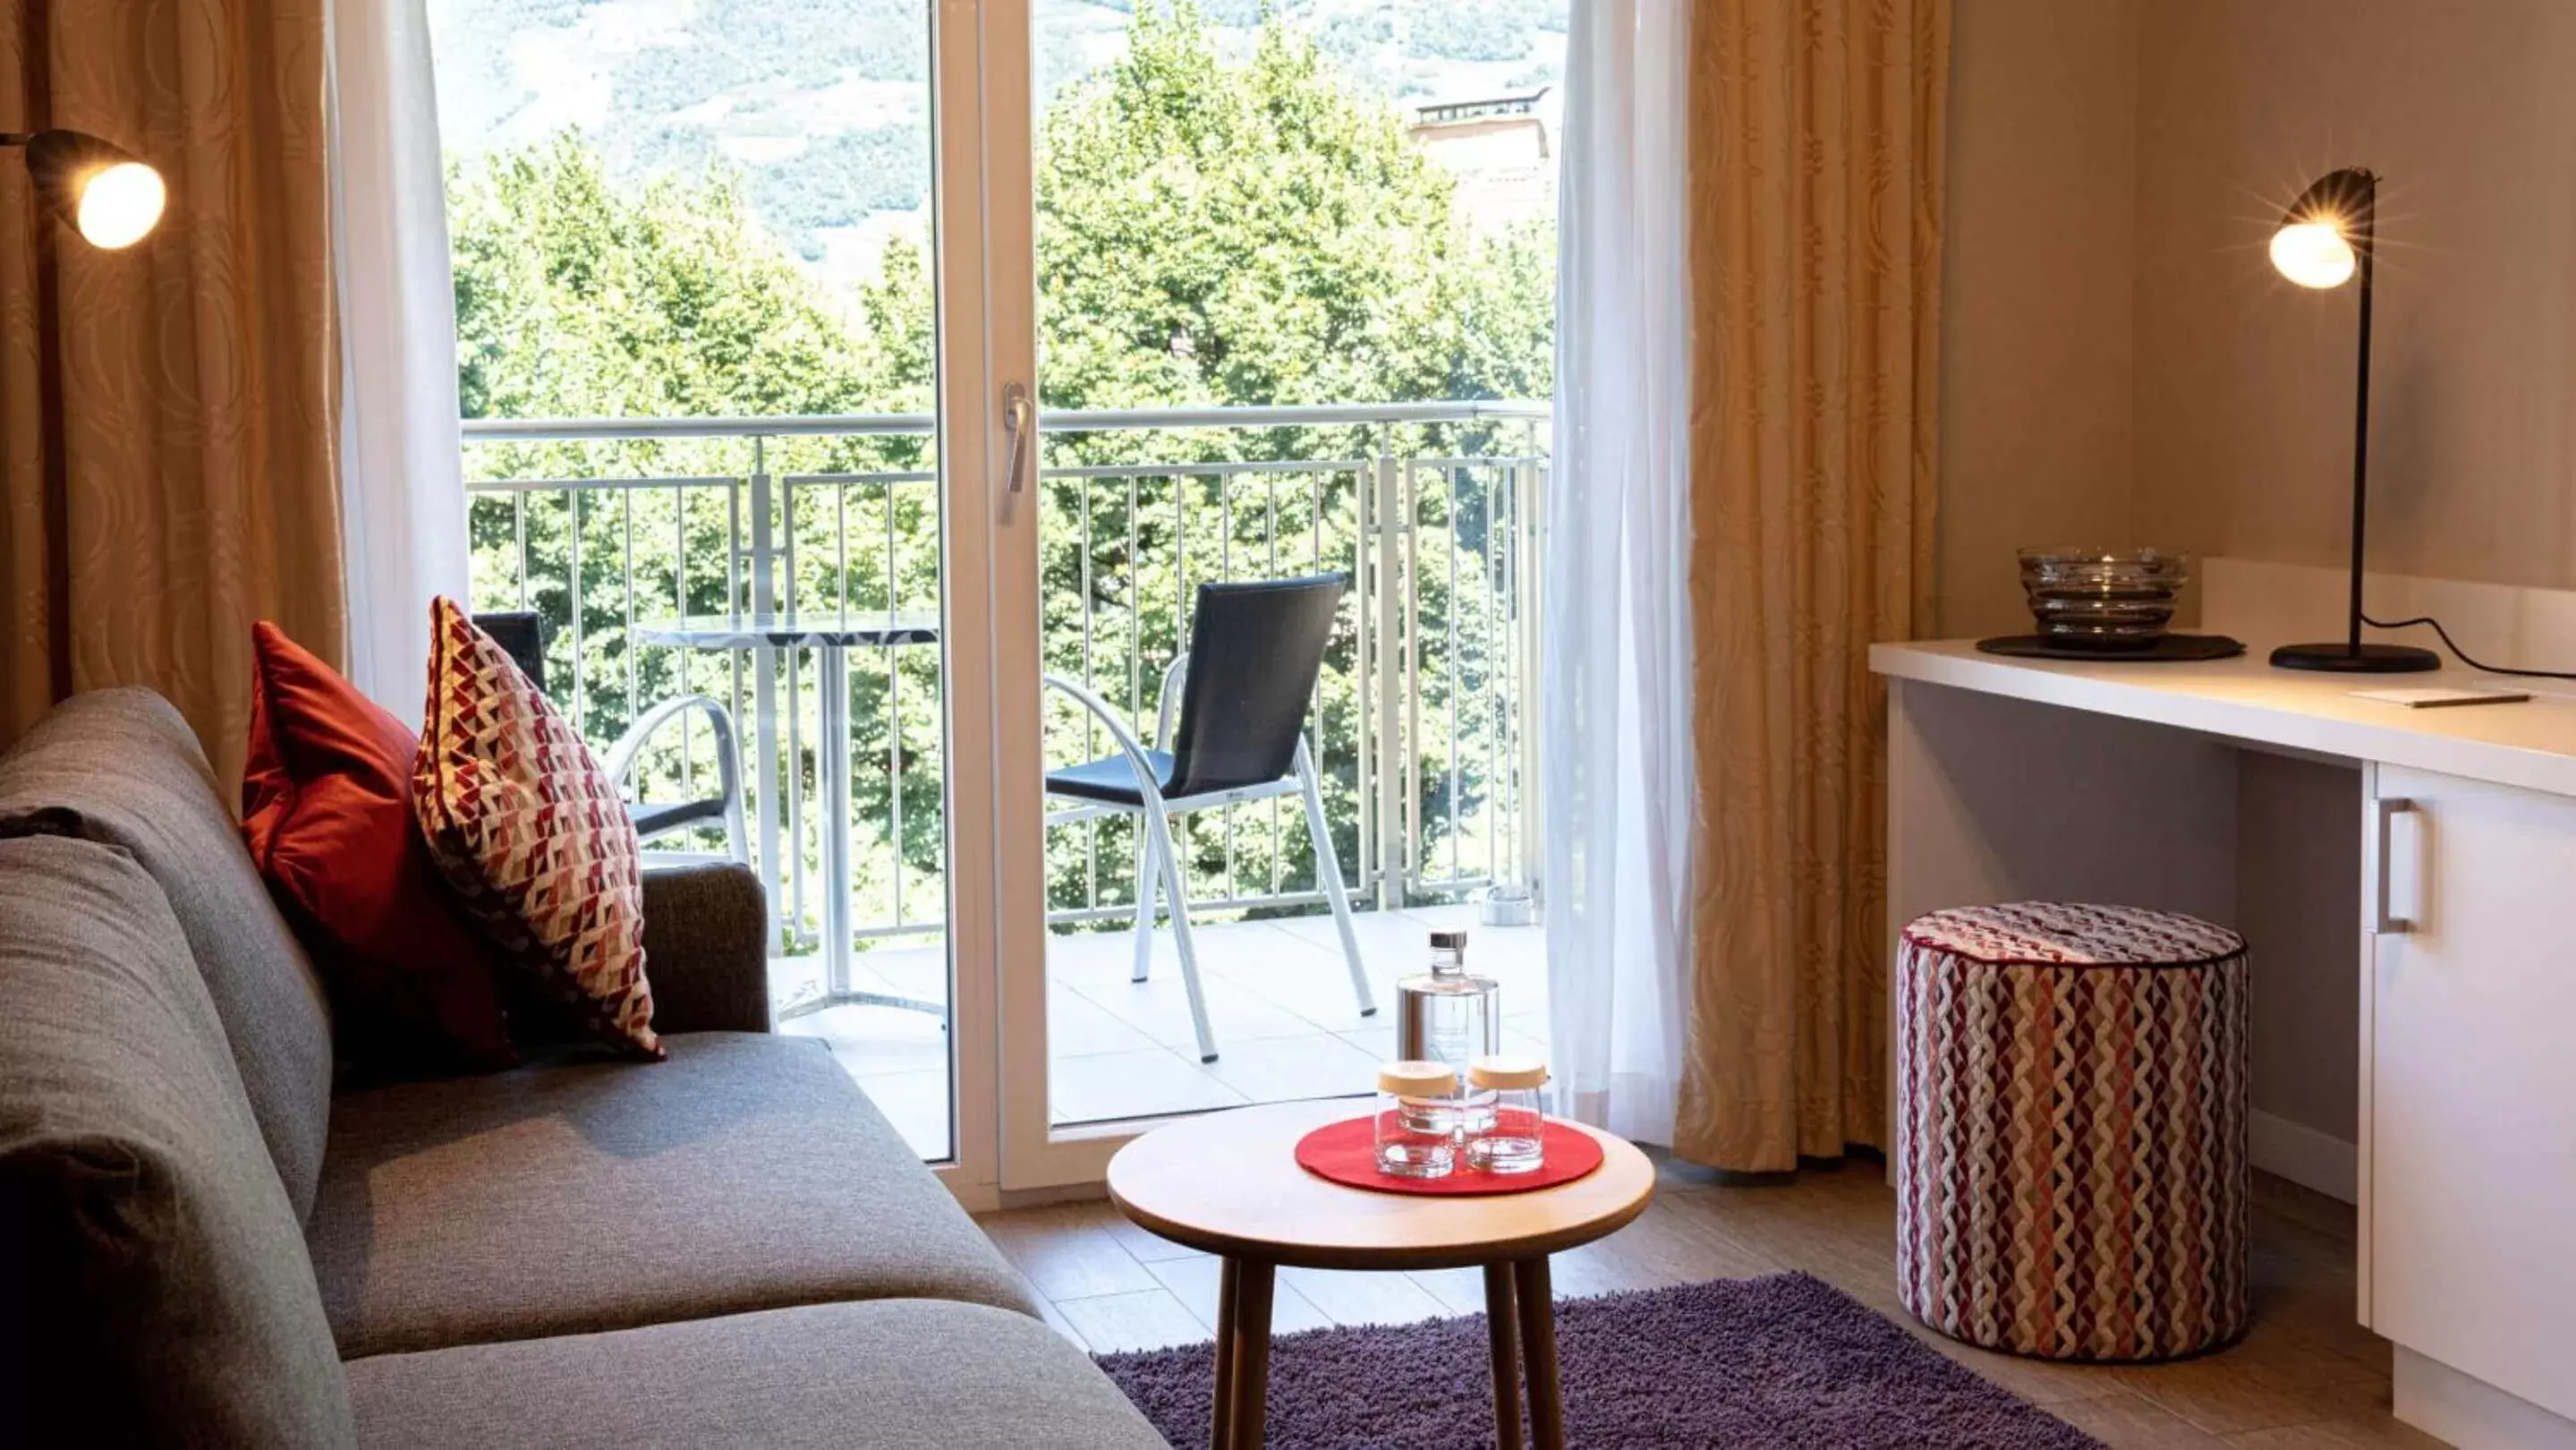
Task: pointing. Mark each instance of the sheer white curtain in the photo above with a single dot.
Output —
(1615, 695)
(402, 489)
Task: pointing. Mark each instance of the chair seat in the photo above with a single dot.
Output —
(661, 817)
(1110, 779)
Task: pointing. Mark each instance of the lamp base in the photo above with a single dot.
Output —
(2342, 659)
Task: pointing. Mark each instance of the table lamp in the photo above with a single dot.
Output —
(2325, 238)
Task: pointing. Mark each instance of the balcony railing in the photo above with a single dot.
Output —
(1423, 719)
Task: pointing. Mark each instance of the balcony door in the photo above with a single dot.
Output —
(896, 373)
(1280, 278)
(729, 330)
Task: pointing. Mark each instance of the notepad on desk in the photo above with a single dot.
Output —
(2429, 697)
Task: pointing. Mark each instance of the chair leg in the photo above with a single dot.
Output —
(1328, 868)
(1161, 826)
(737, 830)
(1144, 902)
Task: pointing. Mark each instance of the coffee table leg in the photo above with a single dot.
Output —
(1506, 1355)
(1251, 1353)
(1221, 1420)
(1538, 1346)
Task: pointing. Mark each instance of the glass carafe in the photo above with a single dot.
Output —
(1448, 1015)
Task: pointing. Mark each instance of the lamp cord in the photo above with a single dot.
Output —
(2429, 622)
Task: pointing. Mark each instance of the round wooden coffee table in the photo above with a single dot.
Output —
(1229, 1183)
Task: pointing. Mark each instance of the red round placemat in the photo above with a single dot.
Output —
(1346, 1152)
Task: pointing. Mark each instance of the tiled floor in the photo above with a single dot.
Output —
(2305, 1375)
(1279, 1000)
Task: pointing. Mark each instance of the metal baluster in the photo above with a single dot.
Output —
(894, 710)
(626, 567)
(894, 770)
(1136, 649)
(572, 602)
(680, 604)
(1457, 678)
(1224, 571)
(1270, 545)
(1091, 827)
(1409, 601)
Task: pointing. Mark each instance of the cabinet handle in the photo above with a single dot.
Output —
(2384, 812)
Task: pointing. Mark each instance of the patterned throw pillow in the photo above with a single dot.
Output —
(531, 833)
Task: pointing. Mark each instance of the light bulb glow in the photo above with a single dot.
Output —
(2313, 254)
(120, 204)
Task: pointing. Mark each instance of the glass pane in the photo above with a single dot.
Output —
(708, 221)
(1342, 215)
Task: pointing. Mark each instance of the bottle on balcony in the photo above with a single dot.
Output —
(1450, 1016)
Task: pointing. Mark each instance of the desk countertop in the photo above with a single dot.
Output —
(2532, 745)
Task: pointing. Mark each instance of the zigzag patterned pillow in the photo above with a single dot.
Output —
(531, 833)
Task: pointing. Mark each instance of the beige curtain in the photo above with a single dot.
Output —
(1815, 217)
(198, 369)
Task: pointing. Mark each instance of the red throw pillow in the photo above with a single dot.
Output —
(327, 814)
(531, 833)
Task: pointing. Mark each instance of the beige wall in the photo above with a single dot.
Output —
(2243, 383)
(2035, 346)
(2121, 364)
(2298, 902)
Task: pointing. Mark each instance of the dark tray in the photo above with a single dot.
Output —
(2166, 647)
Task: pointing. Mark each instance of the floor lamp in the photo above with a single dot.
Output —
(112, 200)
(2328, 237)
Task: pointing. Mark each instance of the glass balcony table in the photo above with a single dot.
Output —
(831, 634)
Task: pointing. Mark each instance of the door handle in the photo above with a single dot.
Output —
(2384, 813)
(1018, 413)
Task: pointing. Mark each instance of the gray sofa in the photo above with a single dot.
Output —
(201, 1243)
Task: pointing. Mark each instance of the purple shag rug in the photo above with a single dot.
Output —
(1783, 1360)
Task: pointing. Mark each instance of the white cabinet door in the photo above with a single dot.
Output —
(2470, 1113)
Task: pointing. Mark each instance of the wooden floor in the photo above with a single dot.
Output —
(2306, 1375)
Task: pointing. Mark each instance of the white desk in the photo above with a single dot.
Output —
(2020, 779)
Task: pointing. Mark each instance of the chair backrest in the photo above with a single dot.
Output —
(521, 634)
(1255, 649)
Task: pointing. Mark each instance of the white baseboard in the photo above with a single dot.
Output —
(2306, 1157)
(2458, 1409)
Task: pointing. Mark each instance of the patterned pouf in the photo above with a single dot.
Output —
(2070, 1143)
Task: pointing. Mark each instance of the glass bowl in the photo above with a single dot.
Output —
(2105, 599)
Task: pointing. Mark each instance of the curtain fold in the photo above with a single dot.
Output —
(1615, 700)
(197, 391)
(1815, 225)
(402, 486)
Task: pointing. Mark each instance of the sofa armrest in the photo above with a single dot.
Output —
(706, 948)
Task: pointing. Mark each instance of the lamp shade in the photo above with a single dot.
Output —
(112, 198)
(2322, 235)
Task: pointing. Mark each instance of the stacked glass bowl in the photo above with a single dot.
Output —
(2103, 599)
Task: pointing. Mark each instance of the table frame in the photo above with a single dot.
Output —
(831, 637)
(1228, 1184)
(1520, 1330)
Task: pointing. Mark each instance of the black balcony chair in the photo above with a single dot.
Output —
(1246, 685)
(522, 634)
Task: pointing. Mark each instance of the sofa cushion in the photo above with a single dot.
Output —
(128, 769)
(746, 1172)
(154, 1287)
(531, 832)
(898, 1373)
(326, 811)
